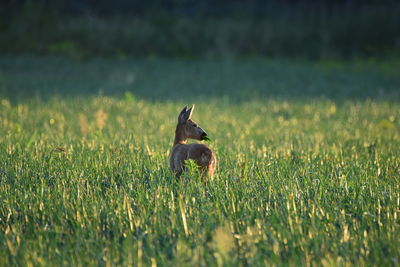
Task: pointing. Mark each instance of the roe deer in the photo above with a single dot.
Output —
(200, 153)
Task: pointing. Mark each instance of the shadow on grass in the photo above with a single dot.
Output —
(24, 78)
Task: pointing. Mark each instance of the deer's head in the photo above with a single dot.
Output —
(187, 127)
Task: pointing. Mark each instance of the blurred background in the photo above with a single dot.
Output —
(340, 29)
(188, 49)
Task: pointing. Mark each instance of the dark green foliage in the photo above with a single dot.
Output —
(303, 30)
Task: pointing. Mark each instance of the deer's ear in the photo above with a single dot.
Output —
(190, 111)
(183, 116)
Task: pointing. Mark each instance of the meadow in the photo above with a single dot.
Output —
(308, 163)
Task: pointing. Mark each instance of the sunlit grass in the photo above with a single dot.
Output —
(85, 181)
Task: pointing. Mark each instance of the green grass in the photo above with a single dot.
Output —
(308, 163)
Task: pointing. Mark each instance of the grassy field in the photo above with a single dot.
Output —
(308, 169)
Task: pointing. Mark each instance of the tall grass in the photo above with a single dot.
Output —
(84, 180)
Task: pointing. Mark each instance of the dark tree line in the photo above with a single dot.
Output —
(178, 7)
(196, 28)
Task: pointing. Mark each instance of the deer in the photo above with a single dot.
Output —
(201, 154)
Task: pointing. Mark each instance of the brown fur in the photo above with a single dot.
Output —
(199, 153)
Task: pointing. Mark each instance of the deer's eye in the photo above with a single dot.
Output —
(195, 125)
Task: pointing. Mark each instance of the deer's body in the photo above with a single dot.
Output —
(199, 153)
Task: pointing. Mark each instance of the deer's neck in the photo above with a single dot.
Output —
(180, 137)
